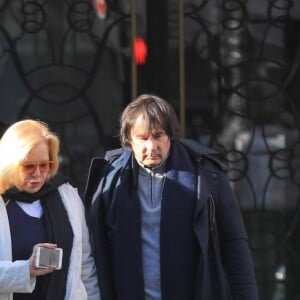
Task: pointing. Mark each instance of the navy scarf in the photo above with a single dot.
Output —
(178, 246)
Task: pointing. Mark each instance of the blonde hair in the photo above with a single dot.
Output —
(15, 145)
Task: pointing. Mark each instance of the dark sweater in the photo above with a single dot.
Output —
(26, 231)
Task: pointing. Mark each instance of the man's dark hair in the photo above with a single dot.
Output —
(157, 112)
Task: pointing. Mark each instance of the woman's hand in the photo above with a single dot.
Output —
(34, 271)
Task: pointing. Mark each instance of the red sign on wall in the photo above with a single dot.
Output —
(140, 51)
(101, 8)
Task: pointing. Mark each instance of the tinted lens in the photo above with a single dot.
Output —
(31, 167)
(44, 167)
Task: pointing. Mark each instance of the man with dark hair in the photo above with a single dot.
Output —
(165, 220)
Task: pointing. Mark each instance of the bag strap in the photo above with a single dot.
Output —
(212, 213)
(214, 235)
(97, 171)
(198, 150)
(211, 201)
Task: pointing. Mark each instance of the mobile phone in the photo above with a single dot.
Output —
(45, 257)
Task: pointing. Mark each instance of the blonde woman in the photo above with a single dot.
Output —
(38, 207)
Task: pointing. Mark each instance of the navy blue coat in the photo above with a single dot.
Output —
(225, 268)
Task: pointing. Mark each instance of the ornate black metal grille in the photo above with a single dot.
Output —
(62, 64)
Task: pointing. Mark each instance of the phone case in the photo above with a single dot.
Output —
(45, 257)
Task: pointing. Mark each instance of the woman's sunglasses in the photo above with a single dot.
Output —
(31, 167)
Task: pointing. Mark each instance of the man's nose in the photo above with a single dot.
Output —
(151, 143)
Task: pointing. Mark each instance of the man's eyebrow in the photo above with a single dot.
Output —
(158, 131)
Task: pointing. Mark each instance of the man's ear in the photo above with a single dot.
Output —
(128, 143)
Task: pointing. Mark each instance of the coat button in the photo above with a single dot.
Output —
(214, 176)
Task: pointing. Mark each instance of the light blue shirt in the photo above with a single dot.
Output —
(150, 194)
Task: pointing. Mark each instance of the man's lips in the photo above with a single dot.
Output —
(153, 157)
